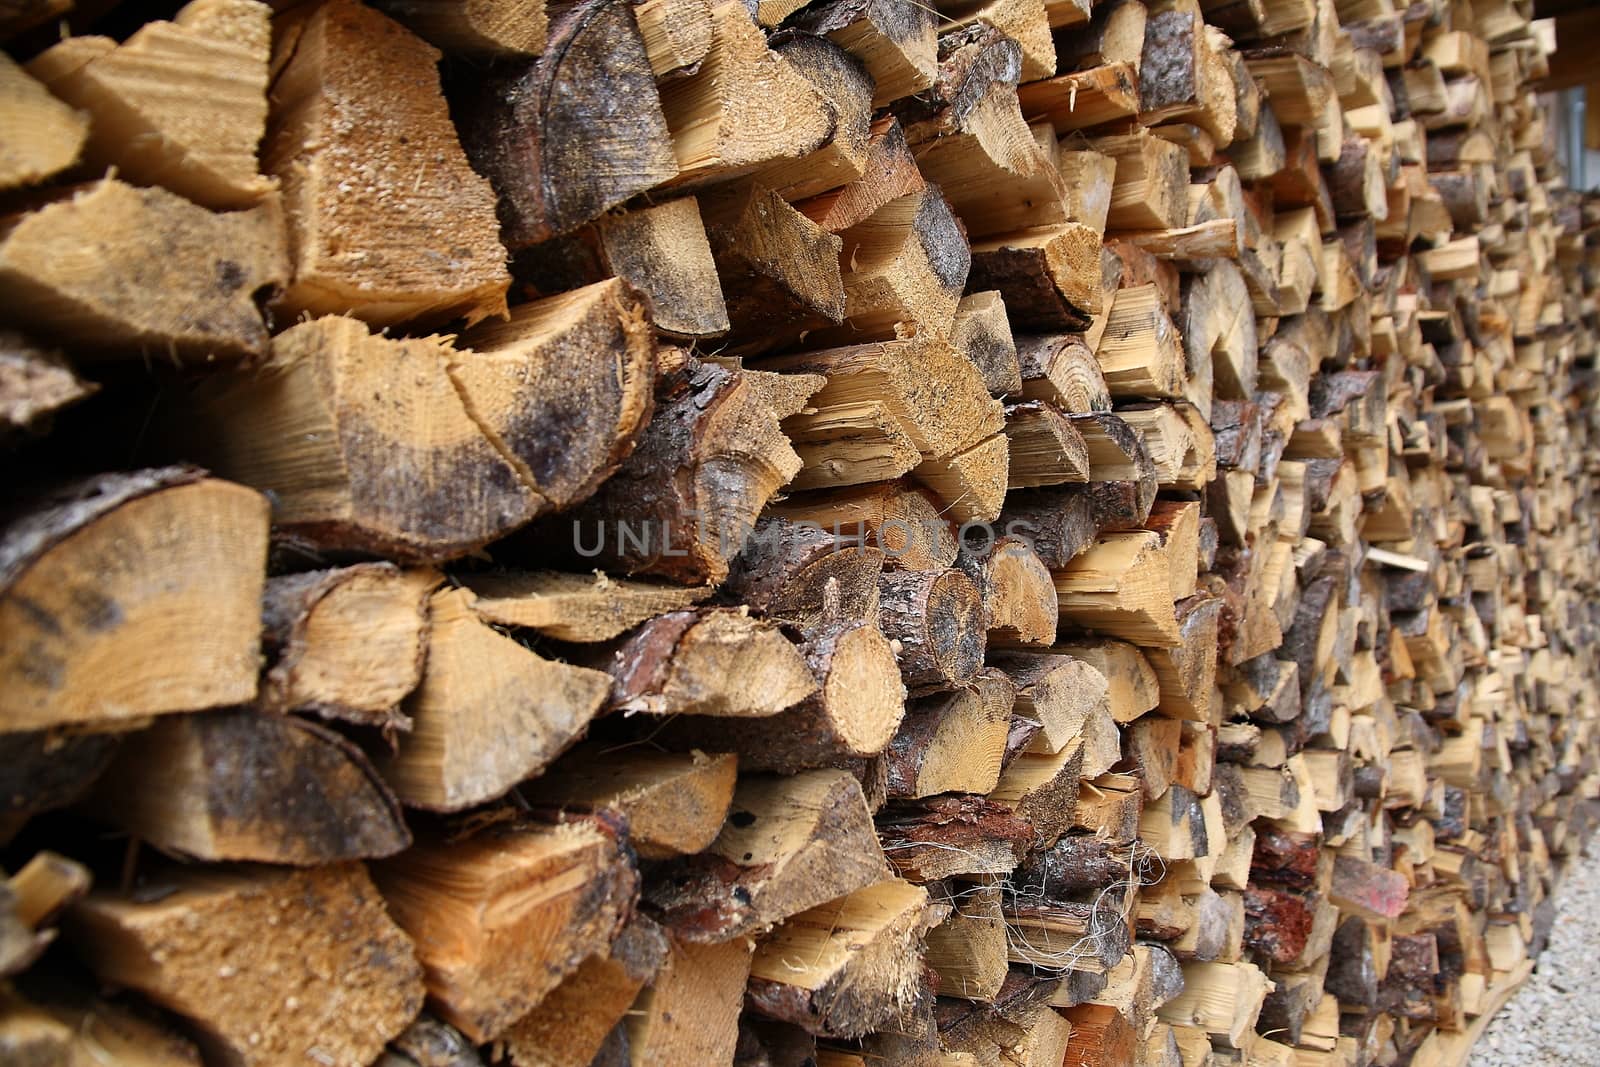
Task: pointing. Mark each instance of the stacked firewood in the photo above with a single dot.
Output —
(688, 533)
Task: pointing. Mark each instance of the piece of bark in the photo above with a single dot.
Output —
(708, 661)
(707, 464)
(152, 129)
(485, 29)
(355, 977)
(369, 236)
(690, 1013)
(1049, 278)
(535, 139)
(955, 835)
(571, 1023)
(862, 961)
(780, 271)
(346, 643)
(745, 106)
(894, 38)
(43, 134)
(789, 844)
(474, 905)
(1364, 888)
(842, 80)
(938, 620)
(674, 803)
(126, 595)
(404, 467)
(888, 171)
(852, 715)
(954, 742)
(807, 576)
(488, 714)
(583, 608)
(167, 275)
(659, 249)
(246, 785)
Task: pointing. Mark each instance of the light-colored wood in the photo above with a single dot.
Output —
(43, 135)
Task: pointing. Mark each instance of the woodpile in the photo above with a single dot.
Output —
(1035, 532)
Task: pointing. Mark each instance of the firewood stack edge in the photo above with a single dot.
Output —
(687, 533)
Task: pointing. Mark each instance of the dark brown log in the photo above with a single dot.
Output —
(780, 271)
(938, 620)
(947, 836)
(1049, 279)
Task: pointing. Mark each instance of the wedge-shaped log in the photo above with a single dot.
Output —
(952, 742)
(1020, 596)
(971, 484)
(1063, 693)
(862, 960)
(780, 271)
(44, 135)
(246, 785)
(789, 844)
(584, 608)
(888, 171)
(894, 38)
(1140, 350)
(1121, 586)
(901, 521)
(123, 271)
(1084, 99)
(808, 575)
(345, 643)
(905, 263)
(968, 950)
(370, 235)
(708, 661)
(489, 712)
(1045, 447)
(500, 917)
(683, 503)
(402, 466)
(746, 105)
(126, 595)
(260, 923)
(982, 331)
(1151, 189)
(144, 97)
(1048, 277)
(842, 80)
(690, 1013)
(487, 29)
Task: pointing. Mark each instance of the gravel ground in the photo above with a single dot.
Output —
(1555, 1017)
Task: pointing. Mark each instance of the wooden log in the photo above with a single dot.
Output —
(895, 40)
(1058, 523)
(706, 661)
(805, 575)
(190, 556)
(888, 171)
(862, 961)
(327, 156)
(35, 383)
(1101, 1036)
(745, 106)
(683, 503)
(1064, 694)
(485, 29)
(1061, 370)
(968, 950)
(674, 803)
(1049, 277)
(574, 607)
(970, 484)
(690, 1013)
(463, 748)
(405, 491)
(168, 949)
(906, 263)
(142, 96)
(938, 620)
(982, 331)
(789, 844)
(1084, 99)
(952, 742)
(44, 135)
(677, 34)
(1183, 76)
(1044, 446)
(1020, 596)
(472, 905)
(347, 643)
(1151, 183)
(843, 81)
(1042, 789)
(1121, 587)
(312, 798)
(1188, 672)
(170, 276)
(780, 271)
(902, 522)
(572, 1022)
(955, 835)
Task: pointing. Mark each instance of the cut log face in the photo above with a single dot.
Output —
(369, 235)
(501, 917)
(674, 804)
(403, 468)
(574, 607)
(789, 844)
(888, 171)
(489, 712)
(35, 383)
(779, 270)
(690, 1013)
(894, 38)
(123, 271)
(716, 662)
(356, 979)
(843, 81)
(952, 743)
(147, 120)
(533, 138)
(563, 388)
(488, 29)
(43, 135)
(863, 961)
(802, 574)
(1049, 277)
(250, 786)
(938, 619)
(103, 567)
(346, 643)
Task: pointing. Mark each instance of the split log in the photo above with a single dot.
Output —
(346, 643)
(167, 949)
(905, 263)
(894, 38)
(862, 961)
(43, 134)
(95, 572)
(1049, 277)
(1120, 586)
(952, 742)
(245, 785)
(780, 271)
(35, 383)
(674, 804)
(369, 237)
(677, 34)
(144, 98)
(489, 712)
(955, 835)
(1065, 695)
(1151, 184)
(486, 29)
(789, 844)
(574, 607)
(806, 576)
(971, 484)
(968, 950)
(982, 332)
(938, 620)
(888, 172)
(690, 1013)
(1044, 447)
(842, 80)
(1020, 596)
(902, 522)
(166, 275)
(1058, 523)
(1085, 99)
